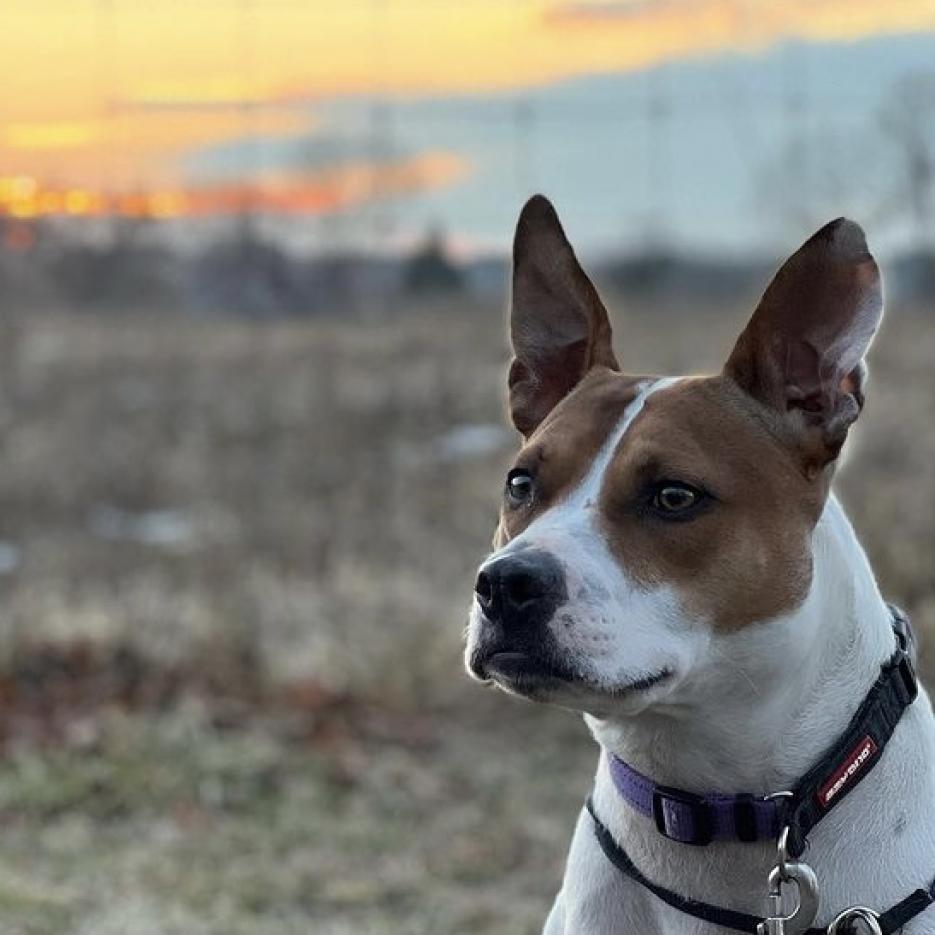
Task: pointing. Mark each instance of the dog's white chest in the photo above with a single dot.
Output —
(874, 849)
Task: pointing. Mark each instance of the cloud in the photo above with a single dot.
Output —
(216, 92)
(311, 193)
(55, 134)
(305, 150)
(679, 27)
(333, 189)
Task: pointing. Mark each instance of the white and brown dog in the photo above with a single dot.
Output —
(670, 561)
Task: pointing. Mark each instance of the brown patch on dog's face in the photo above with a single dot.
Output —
(560, 452)
(743, 554)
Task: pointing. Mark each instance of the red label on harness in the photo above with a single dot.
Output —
(858, 758)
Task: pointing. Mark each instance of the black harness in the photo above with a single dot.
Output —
(847, 763)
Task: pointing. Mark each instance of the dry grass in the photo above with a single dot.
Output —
(284, 509)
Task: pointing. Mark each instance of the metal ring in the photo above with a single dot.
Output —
(856, 914)
(785, 794)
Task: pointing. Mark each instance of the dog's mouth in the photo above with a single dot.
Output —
(534, 674)
(517, 666)
(645, 682)
(520, 668)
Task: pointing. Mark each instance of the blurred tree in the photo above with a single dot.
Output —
(883, 173)
(908, 119)
(430, 270)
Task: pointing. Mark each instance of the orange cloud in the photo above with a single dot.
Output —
(24, 198)
(335, 189)
(647, 31)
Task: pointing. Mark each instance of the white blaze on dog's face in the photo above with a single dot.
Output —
(648, 520)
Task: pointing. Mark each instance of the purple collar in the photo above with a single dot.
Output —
(697, 819)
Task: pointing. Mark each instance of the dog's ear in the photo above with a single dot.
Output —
(558, 324)
(802, 354)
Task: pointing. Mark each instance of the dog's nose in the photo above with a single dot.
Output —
(521, 588)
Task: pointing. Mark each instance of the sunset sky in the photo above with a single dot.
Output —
(131, 96)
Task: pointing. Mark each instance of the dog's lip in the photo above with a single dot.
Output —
(518, 667)
(646, 682)
(509, 663)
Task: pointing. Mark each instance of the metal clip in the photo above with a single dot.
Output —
(867, 920)
(801, 878)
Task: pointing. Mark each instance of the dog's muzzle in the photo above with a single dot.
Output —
(517, 595)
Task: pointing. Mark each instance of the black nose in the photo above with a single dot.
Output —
(524, 588)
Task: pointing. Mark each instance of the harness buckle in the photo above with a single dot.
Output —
(669, 809)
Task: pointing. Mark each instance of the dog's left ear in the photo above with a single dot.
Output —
(802, 354)
(558, 324)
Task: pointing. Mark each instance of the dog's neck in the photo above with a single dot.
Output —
(780, 693)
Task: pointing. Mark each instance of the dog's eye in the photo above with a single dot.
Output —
(674, 498)
(519, 487)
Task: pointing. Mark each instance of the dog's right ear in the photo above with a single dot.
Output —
(558, 324)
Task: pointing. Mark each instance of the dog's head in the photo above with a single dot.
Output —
(646, 520)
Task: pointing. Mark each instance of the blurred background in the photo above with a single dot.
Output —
(253, 274)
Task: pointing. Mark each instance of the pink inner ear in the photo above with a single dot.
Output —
(853, 383)
(813, 403)
(802, 375)
(538, 386)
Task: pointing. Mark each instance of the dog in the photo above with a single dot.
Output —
(671, 562)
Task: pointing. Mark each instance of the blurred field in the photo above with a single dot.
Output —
(235, 561)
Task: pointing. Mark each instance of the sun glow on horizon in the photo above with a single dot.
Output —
(26, 198)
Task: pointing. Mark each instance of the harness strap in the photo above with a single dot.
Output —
(716, 915)
(890, 921)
